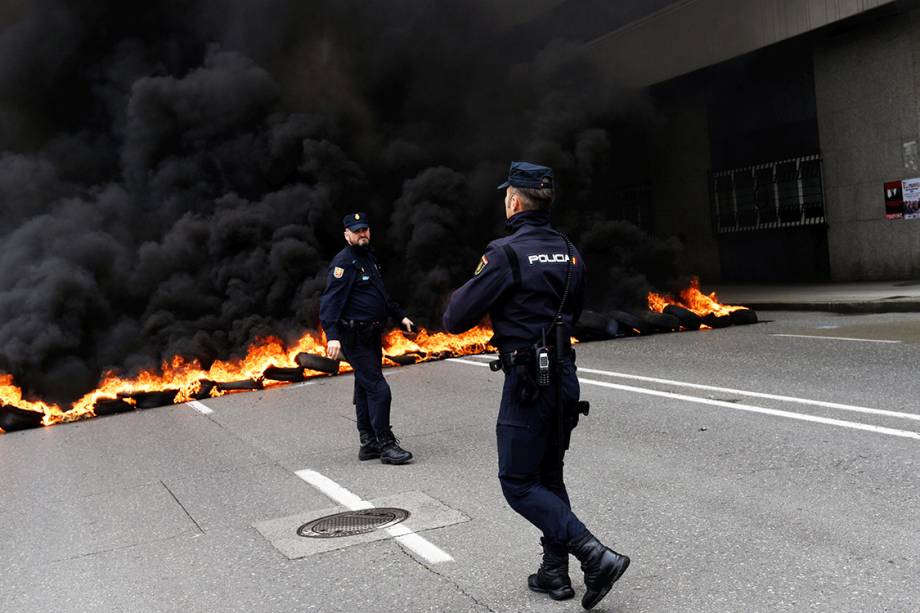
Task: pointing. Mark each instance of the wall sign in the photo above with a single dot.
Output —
(902, 199)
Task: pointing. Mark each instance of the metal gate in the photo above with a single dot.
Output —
(783, 194)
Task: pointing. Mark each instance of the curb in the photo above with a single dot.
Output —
(836, 307)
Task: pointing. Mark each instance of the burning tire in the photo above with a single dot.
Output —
(688, 319)
(743, 317)
(204, 389)
(317, 363)
(237, 386)
(630, 324)
(152, 400)
(595, 326)
(14, 418)
(659, 322)
(111, 406)
(717, 321)
(282, 373)
(402, 360)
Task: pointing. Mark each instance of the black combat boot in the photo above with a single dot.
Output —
(602, 567)
(553, 575)
(369, 449)
(390, 451)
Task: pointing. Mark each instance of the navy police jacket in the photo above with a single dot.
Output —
(520, 303)
(354, 291)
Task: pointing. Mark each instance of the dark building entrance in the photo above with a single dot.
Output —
(766, 187)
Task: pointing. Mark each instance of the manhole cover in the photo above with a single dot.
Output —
(350, 523)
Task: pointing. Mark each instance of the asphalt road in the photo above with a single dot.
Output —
(783, 479)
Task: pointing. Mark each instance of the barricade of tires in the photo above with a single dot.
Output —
(595, 325)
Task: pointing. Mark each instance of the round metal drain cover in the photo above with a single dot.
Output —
(350, 523)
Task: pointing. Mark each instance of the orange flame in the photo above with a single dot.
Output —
(186, 375)
(12, 396)
(693, 299)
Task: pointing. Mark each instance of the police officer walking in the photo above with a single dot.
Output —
(353, 311)
(531, 283)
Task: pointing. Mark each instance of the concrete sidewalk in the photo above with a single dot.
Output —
(868, 297)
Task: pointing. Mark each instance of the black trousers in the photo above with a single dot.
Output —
(372, 392)
(530, 460)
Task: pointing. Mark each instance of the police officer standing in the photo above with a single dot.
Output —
(353, 311)
(526, 282)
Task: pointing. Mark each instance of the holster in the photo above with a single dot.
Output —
(573, 410)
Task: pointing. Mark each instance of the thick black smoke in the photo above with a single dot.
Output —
(172, 174)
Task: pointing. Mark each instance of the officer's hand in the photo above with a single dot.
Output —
(408, 325)
(334, 350)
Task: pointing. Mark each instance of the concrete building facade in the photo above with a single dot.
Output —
(778, 125)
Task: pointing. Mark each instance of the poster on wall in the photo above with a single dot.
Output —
(910, 194)
(894, 201)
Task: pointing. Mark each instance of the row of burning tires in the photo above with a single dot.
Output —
(13, 418)
(597, 326)
(592, 326)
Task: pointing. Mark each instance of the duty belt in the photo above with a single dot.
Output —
(523, 357)
(361, 325)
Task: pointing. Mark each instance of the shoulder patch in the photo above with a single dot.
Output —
(338, 272)
(482, 264)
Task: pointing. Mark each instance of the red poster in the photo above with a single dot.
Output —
(894, 200)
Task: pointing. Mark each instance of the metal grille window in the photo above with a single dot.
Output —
(779, 194)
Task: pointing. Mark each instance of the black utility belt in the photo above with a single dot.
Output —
(355, 324)
(528, 358)
(363, 332)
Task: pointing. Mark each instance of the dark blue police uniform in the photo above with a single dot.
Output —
(529, 458)
(519, 283)
(353, 310)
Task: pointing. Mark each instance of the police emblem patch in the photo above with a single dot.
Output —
(338, 272)
(482, 264)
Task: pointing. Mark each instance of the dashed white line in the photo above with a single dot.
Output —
(200, 407)
(296, 385)
(839, 338)
(739, 407)
(417, 544)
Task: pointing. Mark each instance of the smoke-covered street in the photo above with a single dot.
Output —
(768, 467)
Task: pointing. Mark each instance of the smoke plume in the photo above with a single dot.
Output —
(173, 174)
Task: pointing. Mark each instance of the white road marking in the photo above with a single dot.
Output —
(740, 407)
(756, 409)
(462, 361)
(729, 390)
(419, 545)
(200, 407)
(839, 338)
(301, 384)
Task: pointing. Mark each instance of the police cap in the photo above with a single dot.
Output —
(356, 221)
(527, 175)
